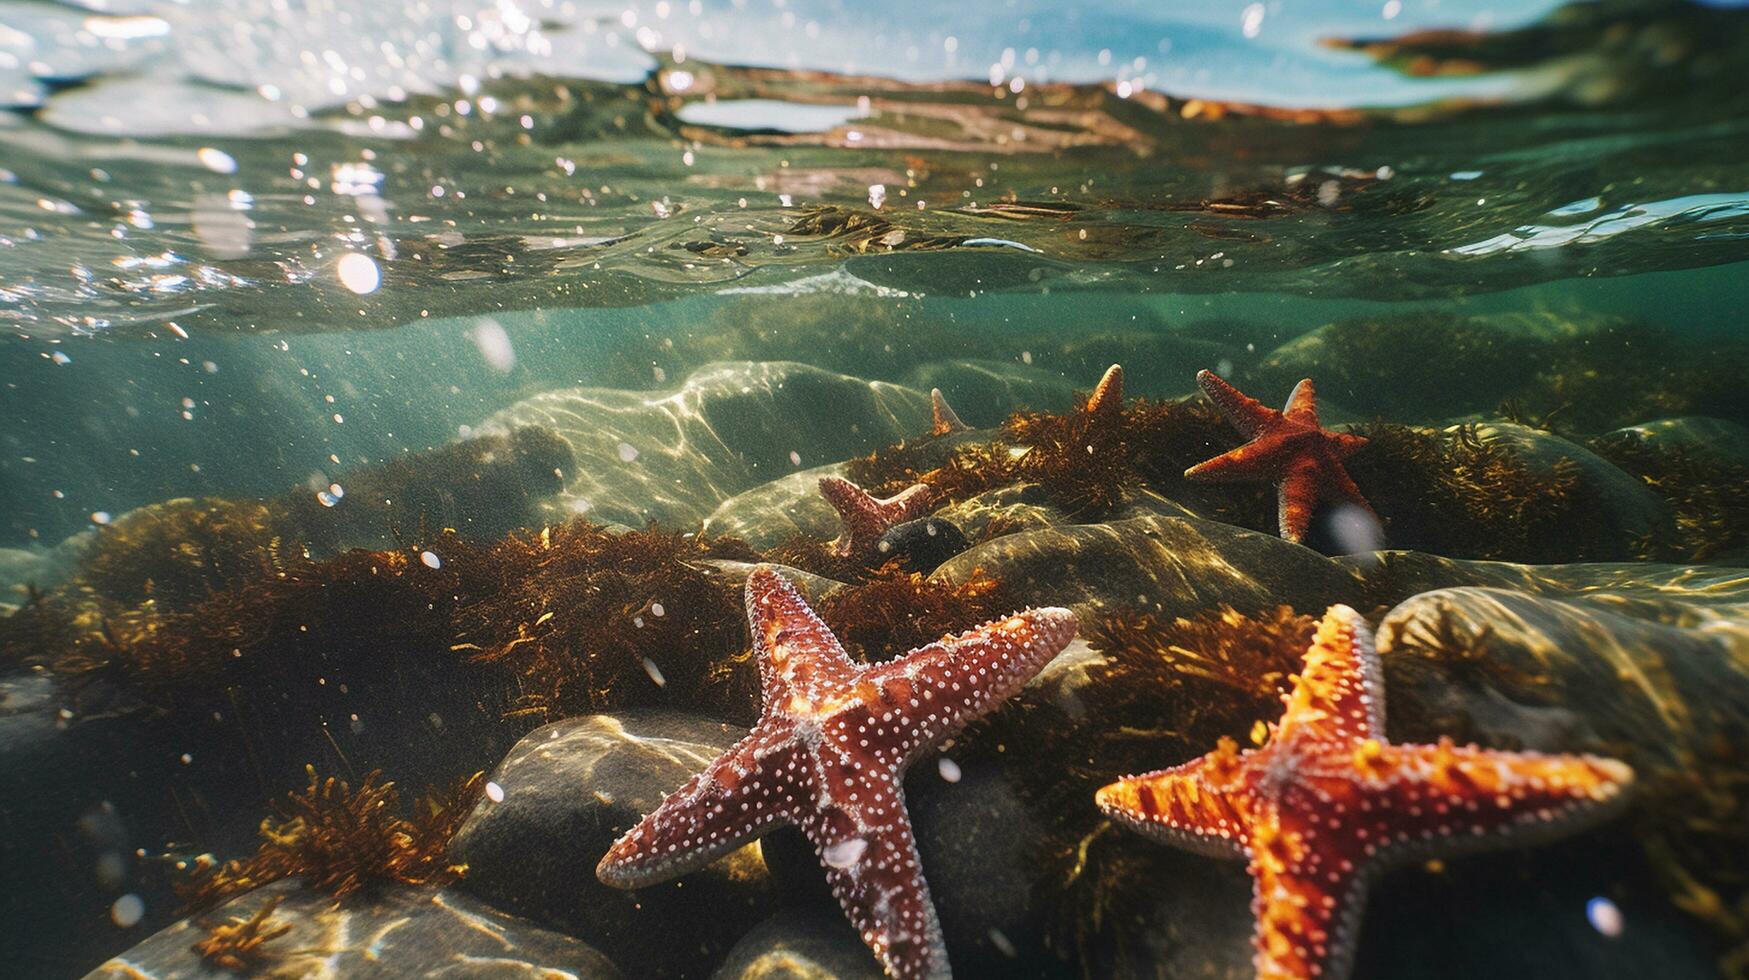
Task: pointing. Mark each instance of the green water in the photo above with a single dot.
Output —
(394, 292)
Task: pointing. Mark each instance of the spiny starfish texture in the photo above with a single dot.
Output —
(865, 517)
(828, 754)
(1107, 397)
(945, 421)
(1289, 447)
(1328, 802)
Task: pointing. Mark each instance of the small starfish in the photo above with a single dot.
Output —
(945, 420)
(1288, 447)
(866, 518)
(1328, 802)
(1107, 397)
(828, 755)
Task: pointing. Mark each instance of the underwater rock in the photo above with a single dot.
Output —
(800, 944)
(987, 391)
(1419, 367)
(1623, 505)
(20, 571)
(1173, 566)
(1660, 677)
(391, 932)
(672, 456)
(28, 703)
(482, 487)
(568, 790)
(772, 512)
(1720, 440)
(1394, 576)
(1026, 507)
(921, 545)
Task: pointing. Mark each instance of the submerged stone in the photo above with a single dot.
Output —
(1719, 440)
(386, 933)
(568, 791)
(1173, 566)
(813, 943)
(1629, 512)
(921, 545)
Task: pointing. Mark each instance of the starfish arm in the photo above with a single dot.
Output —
(933, 691)
(1308, 894)
(736, 798)
(857, 512)
(797, 654)
(1252, 461)
(1297, 498)
(1339, 693)
(1201, 805)
(1441, 800)
(944, 420)
(913, 501)
(865, 843)
(866, 518)
(1107, 397)
(1302, 404)
(1250, 416)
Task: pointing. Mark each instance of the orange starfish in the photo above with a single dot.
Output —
(866, 517)
(829, 754)
(1288, 447)
(1107, 397)
(1328, 802)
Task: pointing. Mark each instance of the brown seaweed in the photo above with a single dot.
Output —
(239, 944)
(1466, 496)
(341, 840)
(895, 611)
(1709, 497)
(585, 619)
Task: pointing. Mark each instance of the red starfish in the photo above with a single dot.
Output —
(865, 517)
(1328, 802)
(828, 754)
(944, 420)
(1289, 447)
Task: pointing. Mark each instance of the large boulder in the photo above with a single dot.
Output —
(388, 932)
(672, 456)
(571, 788)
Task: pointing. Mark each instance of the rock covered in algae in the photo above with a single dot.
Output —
(566, 793)
(1170, 565)
(1655, 673)
(779, 509)
(814, 943)
(1650, 674)
(389, 933)
(1626, 508)
(672, 456)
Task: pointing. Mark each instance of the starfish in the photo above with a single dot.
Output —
(1107, 397)
(828, 754)
(1289, 447)
(866, 517)
(945, 420)
(1327, 803)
